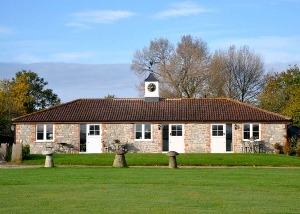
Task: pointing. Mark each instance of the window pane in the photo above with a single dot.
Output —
(40, 132)
(246, 127)
(138, 131)
(179, 133)
(147, 131)
(214, 127)
(246, 135)
(147, 127)
(179, 127)
(138, 135)
(40, 136)
(40, 128)
(255, 127)
(220, 133)
(97, 127)
(138, 127)
(256, 135)
(173, 127)
(49, 128)
(220, 127)
(49, 134)
(147, 135)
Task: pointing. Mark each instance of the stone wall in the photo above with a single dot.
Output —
(270, 134)
(196, 138)
(63, 133)
(237, 136)
(122, 132)
(25, 134)
(273, 133)
(66, 138)
(125, 133)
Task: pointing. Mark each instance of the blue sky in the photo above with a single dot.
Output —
(109, 32)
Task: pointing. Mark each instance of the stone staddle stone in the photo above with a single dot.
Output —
(172, 159)
(49, 158)
(120, 159)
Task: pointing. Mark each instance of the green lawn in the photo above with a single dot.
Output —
(134, 159)
(149, 190)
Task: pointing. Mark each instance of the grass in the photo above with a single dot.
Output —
(137, 159)
(149, 190)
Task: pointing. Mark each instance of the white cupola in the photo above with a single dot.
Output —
(151, 89)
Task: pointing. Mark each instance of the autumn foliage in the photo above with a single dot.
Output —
(23, 94)
(281, 94)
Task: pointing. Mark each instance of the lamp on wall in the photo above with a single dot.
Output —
(159, 126)
(236, 126)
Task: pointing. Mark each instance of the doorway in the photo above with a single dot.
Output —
(173, 138)
(221, 138)
(90, 138)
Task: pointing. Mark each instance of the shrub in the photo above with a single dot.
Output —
(277, 146)
(297, 149)
(26, 152)
(286, 148)
(293, 141)
(9, 152)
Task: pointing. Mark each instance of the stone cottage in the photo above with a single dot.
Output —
(152, 125)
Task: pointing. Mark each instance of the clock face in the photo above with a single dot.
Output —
(151, 87)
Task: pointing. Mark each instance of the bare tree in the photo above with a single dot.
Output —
(239, 74)
(182, 72)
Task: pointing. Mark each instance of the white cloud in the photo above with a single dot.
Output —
(78, 25)
(84, 19)
(182, 9)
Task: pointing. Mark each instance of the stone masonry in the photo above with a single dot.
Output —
(196, 137)
(63, 133)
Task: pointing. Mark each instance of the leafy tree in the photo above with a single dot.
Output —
(182, 71)
(29, 88)
(5, 107)
(281, 93)
(23, 94)
(236, 73)
(109, 96)
(188, 70)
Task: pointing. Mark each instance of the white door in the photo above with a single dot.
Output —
(93, 141)
(176, 140)
(218, 138)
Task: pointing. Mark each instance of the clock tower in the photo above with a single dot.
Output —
(151, 89)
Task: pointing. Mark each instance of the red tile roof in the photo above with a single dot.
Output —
(120, 110)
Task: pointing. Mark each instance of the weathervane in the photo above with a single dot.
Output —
(150, 67)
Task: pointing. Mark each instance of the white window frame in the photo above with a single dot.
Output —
(251, 130)
(143, 132)
(44, 133)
